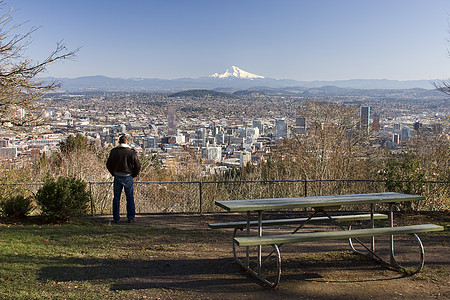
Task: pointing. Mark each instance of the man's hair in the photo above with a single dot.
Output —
(122, 139)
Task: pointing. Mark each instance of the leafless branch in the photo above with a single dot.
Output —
(20, 90)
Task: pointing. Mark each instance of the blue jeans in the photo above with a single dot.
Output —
(127, 183)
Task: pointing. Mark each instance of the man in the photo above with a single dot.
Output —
(123, 163)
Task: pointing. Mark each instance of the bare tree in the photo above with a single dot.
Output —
(20, 90)
(444, 85)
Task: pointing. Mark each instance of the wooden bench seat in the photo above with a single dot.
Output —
(333, 235)
(341, 218)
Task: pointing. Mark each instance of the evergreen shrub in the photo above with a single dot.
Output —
(17, 207)
(63, 199)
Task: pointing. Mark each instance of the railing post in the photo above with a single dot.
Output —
(306, 187)
(92, 200)
(201, 196)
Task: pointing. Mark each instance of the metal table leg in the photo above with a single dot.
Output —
(247, 249)
(372, 224)
(259, 246)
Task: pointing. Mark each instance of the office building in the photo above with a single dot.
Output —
(258, 124)
(376, 122)
(212, 153)
(300, 125)
(171, 121)
(4, 143)
(406, 133)
(365, 115)
(9, 152)
(200, 136)
(220, 138)
(122, 128)
(281, 129)
(150, 142)
(244, 158)
(395, 139)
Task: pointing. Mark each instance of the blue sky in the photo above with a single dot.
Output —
(302, 40)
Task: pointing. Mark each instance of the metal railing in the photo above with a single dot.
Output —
(199, 196)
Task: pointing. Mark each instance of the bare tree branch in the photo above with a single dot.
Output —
(20, 90)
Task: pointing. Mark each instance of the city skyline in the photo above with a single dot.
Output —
(300, 40)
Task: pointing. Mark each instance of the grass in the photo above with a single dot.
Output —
(82, 260)
(432, 274)
(90, 259)
(446, 227)
(332, 256)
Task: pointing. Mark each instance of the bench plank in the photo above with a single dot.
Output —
(333, 235)
(342, 218)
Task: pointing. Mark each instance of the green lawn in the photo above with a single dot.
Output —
(90, 259)
(83, 260)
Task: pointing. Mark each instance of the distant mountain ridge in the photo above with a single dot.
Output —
(232, 78)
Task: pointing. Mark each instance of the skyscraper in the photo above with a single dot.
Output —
(244, 158)
(406, 133)
(258, 124)
(122, 128)
(365, 114)
(300, 125)
(281, 129)
(395, 139)
(171, 120)
(376, 122)
(212, 153)
(220, 138)
(201, 136)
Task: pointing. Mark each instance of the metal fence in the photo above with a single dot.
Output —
(199, 196)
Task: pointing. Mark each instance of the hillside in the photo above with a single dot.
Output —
(201, 94)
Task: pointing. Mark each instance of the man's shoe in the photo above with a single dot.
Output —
(113, 222)
(132, 220)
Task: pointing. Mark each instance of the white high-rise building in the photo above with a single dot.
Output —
(212, 153)
(244, 158)
(180, 138)
(122, 128)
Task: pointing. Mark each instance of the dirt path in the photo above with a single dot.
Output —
(319, 271)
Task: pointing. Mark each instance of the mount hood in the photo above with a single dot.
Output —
(235, 72)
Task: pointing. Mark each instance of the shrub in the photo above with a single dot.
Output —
(63, 199)
(404, 174)
(17, 207)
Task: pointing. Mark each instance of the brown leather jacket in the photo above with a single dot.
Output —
(124, 160)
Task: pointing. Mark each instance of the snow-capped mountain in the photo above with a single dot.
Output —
(235, 72)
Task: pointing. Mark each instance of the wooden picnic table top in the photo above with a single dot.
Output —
(315, 201)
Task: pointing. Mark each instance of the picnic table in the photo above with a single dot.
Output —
(320, 212)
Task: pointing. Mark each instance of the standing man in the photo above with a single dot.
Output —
(123, 163)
